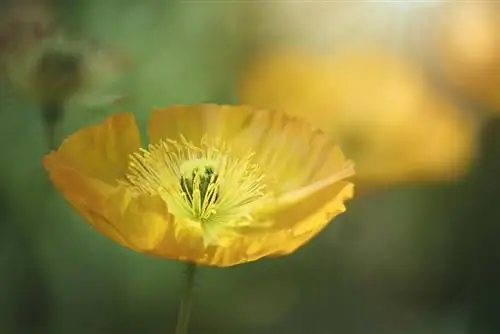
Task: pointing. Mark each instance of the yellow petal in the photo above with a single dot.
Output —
(194, 122)
(135, 222)
(85, 170)
(291, 152)
(314, 216)
(101, 151)
(182, 241)
(292, 211)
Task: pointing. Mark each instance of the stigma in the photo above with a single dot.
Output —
(199, 186)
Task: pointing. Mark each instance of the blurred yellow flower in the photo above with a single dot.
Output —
(467, 48)
(377, 106)
(217, 185)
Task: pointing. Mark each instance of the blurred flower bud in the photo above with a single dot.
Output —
(56, 71)
(57, 75)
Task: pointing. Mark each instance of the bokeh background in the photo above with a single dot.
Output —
(409, 89)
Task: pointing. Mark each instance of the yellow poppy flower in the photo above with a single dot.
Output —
(217, 185)
(377, 106)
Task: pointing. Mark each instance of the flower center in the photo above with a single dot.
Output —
(208, 183)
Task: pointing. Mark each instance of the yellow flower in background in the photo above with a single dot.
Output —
(372, 90)
(217, 185)
(377, 106)
(467, 48)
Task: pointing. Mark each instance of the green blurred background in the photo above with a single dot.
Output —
(407, 258)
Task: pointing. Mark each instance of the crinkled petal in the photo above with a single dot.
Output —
(137, 222)
(314, 218)
(182, 241)
(102, 151)
(305, 220)
(194, 122)
(293, 211)
(291, 152)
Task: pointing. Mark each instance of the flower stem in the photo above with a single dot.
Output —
(52, 114)
(186, 301)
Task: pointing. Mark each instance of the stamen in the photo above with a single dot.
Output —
(208, 184)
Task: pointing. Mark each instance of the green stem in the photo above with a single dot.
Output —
(52, 113)
(186, 301)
